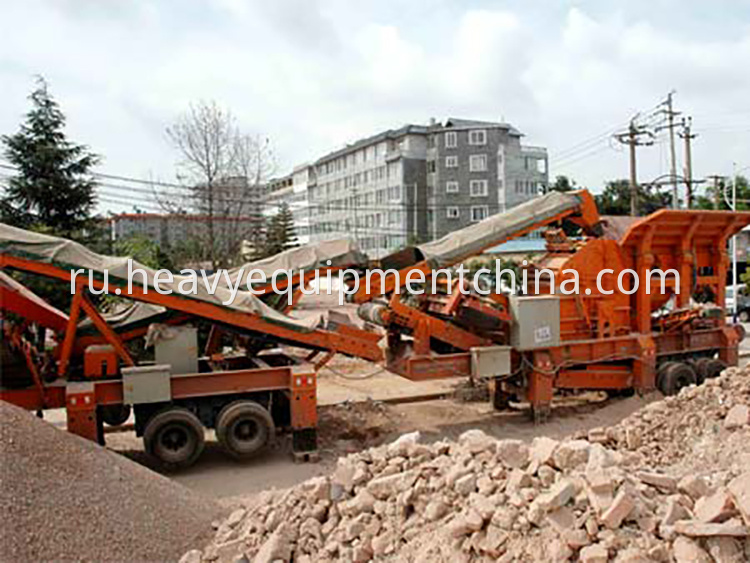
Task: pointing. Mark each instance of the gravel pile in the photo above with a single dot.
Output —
(65, 498)
(619, 494)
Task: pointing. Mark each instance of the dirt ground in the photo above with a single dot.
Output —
(353, 416)
(350, 427)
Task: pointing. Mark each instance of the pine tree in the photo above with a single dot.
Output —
(281, 235)
(52, 189)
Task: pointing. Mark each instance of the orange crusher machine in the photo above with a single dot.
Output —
(246, 397)
(600, 338)
(524, 345)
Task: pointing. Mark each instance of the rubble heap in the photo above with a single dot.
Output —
(615, 495)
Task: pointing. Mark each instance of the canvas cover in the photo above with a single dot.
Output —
(341, 252)
(70, 255)
(129, 315)
(472, 240)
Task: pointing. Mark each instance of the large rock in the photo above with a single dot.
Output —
(276, 547)
(476, 441)
(717, 507)
(542, 449)
(686, 550)
(694, 486)
(620, 509)
(572, 454)
(596, 553)
(737, 417)
(739, 489)
(658, 480)
(696, 529)
(512, 453)
(391, 485)
(466, 523)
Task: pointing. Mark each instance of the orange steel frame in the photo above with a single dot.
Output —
(609, 341)
(362, 345)
(81, 399)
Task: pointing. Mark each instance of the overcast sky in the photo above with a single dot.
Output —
(313, 75)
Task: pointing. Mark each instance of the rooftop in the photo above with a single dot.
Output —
(458, 123)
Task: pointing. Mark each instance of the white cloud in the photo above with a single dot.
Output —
(313, 75)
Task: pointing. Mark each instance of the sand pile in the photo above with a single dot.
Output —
(63, 497)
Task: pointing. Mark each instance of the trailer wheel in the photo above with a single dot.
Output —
(243, 428)
(713, 368)
(175, 437)
(674, 376)
(115, 415)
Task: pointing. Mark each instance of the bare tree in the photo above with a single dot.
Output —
(225, 171)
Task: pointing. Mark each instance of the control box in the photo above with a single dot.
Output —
(536, 321)
(146, 384)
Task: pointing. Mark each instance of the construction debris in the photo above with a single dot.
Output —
(612, 499)
(66, 498)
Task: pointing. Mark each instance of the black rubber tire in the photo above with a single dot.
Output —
(744, 316)
(700, 367)
(115, 415)
(674, 376)
(714, 367)
(175, 437)
(244, 428)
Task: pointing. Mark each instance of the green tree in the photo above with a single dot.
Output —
(562, 184)
(280, 234)
(714, 196)
(144, 250)
(615, 199)
(53, 189)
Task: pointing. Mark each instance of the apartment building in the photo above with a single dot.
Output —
(374, 189)
(420, 182)
(477, 169)
(172, 229)
(292, 189)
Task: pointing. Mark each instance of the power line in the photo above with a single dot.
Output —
(635, 136)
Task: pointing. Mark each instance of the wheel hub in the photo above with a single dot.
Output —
(174, 439)
(246, 430)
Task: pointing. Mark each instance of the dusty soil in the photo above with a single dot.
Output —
(351, 427)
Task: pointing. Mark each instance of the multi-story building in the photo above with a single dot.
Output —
(477, 169)
(373, 189)
(292, 190)
(173, 229)
(420, 182)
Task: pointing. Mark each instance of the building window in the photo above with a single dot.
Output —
(451, 187)
(478, 137)
(451, 162)
(479, 212)
(477, 163)
(451, 140)
(431, 166)
(478, 188)
(452, 213)
(394, 193)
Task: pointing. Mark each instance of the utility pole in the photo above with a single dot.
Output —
(634, 137)
(671, 114)
(688, 136)
(717, 194)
